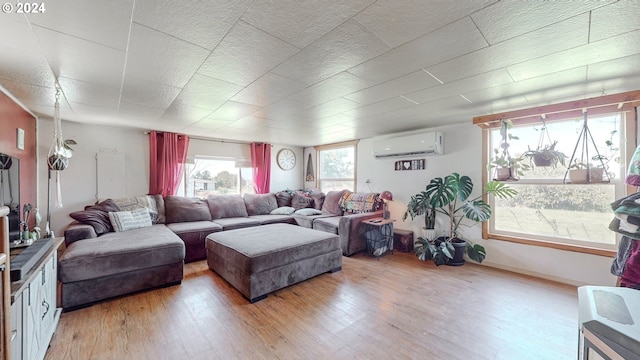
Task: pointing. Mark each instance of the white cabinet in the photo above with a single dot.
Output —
(34, 315)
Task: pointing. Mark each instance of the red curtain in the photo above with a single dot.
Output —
(168, 152)
(261, 164)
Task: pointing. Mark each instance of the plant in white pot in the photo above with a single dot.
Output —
(450, 196)
(506, 166)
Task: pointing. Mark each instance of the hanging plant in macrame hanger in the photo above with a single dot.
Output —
(545, 154)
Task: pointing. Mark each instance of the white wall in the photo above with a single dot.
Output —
(462, 146)
(79, 184)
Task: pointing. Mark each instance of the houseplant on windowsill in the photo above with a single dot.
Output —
(450, 196)
(506, 166)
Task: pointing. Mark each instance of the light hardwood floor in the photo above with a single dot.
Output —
(392, 308)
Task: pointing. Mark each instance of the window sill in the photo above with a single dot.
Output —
(555, 245)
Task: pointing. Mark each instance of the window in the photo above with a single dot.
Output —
(546, 208)
(336, 167)
(207, 176)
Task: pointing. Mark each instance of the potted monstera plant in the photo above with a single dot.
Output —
(450, 196)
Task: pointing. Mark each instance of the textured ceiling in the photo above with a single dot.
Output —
(305, 72)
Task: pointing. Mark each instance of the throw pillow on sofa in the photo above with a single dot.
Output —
(129, 220)
(283, 198)
(308, 212)
(155, 204)
(97, 216)
(260, 204)
(283, 210)
(332, 202)
(226, 206)
(186, 209)
(301, 202)
(318, 199)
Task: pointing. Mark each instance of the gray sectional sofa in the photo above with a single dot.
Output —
(100, 263)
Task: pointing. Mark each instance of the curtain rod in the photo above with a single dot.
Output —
(210, 139)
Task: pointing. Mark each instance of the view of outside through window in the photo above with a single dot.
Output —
(336, 169)
(211, 176)
(547, 209)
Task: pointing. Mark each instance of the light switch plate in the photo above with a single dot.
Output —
(20, 139)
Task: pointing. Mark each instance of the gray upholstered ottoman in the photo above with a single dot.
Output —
(262, 259)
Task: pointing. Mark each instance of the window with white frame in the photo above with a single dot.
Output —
(207, 176)
(336, 167)
(550, 208)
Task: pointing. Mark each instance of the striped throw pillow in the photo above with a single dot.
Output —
(129, 220)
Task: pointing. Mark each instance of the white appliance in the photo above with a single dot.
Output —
(430, 143)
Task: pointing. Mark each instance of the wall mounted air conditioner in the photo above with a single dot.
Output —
(430, 143)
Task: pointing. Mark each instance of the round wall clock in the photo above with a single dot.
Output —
(286, 159)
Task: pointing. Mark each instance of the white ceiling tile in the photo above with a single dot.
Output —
(399, 21)
(203, 23)
(456, 39)
(207, 127)
(380, 107)
(233, 110)
(282, 109)
(406, 84)
(482, 81)
(148, 93)
(338, 119)
(21, 58)
(206, 92)
(91, 94)
(346, 46)
(268, 89)
(245, 54)
(93, 114)
(614, 19)
(616, 68)
(608, 49)
(140, 111)
(332, 88)
(32, 95)
(102, 22)
(548, 40)
(75, 58)
(25, 67)
(184, 114)
(161, 58)
(301, 22)
(249, 122)
(507, 19)
(331, 108)
(513, 95)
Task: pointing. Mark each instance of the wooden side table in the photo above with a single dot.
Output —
(378, 234)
